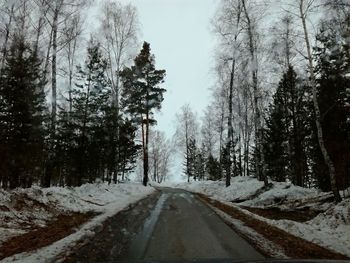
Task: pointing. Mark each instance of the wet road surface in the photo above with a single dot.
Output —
(187, 229)
(170, 226)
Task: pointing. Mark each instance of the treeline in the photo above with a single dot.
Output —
(280, 109)
(67, 119)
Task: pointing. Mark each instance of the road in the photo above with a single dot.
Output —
(177, 227)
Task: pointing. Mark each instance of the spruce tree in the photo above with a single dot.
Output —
(200, 164)
(285, 134)
(85, 123)
(128, 149)
(333, 67)
(276, 156)
(21, 115)
(191, 159)
(213, 168)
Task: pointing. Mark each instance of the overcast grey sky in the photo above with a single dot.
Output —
(180, 38)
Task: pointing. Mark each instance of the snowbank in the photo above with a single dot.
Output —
(330, 229)
(21, 209)
(246, 191)
(241, 188)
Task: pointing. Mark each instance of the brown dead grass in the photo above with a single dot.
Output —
(62, 226)
(294, 247)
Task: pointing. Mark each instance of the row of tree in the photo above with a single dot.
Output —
(281, 103)
(64, 121)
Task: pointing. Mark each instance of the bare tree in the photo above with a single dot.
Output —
(160, 156)
(120, 29)
(227, 26)
(187, 130)
(284, 42)
(252, 43)
(72, 29)
(57, 14)
(209, 131)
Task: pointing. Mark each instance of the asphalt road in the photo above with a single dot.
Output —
(181, 227)
(171, 225)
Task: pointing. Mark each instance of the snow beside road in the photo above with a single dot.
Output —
(330, 229)
(22, 209)
(244, 188)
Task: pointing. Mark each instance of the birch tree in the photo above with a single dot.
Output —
(120, 29)
(304, 11)
(252, 47)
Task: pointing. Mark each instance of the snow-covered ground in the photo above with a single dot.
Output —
(22, 209)
(330, 228)
(243, 188)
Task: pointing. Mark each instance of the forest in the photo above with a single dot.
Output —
(280, 110)
(78, 102)
(66, 121)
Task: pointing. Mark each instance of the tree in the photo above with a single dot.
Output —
(284, 43)
(119, 26)
(186, 131)
(256, 94)
(21, 115)
(333, 57)
(142, 94)
(160, 154)
(285, 139)
(276, 155)
(119, 29)
(89, 98)
(209, 131)
(200, 168)
(213, 168)
(190, 160)
(304, 9)
(128, 149)
(56, 14)
(58, 10)
(232, 29)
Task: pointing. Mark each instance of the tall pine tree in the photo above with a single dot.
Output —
(142, 94)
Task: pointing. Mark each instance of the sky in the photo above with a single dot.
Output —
(181, 40)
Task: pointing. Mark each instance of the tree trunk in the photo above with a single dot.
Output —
(229, 124)
(222, 119)
(54, 70)
(187, 152)
(230, 106)
(145, 159)
(328, 160)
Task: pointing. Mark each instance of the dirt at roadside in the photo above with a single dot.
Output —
(56, 229)
(294, 247)
(277, 214)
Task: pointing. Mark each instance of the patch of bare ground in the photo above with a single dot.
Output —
(277, 214)
(60, 227)
(294, 247)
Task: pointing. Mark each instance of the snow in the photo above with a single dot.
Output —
(241, 188)
(42, 204)
(330, 229)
